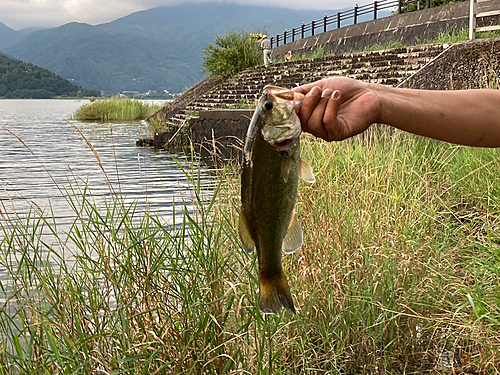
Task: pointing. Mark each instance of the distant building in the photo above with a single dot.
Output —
(129, 93)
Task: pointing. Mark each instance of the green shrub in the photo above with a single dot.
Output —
(231, 53)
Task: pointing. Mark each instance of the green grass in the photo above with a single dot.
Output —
(242, 104)
(115, 109)
(193, 113)
(488, 34)
(407, 227)
(156, 124)
(392, 44)
(399, 271)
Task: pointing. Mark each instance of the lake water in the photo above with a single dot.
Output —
(43, 155)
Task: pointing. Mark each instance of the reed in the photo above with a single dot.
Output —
(115, 109)
(399, 274)
(399, 220)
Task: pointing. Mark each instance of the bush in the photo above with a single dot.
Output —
(231, 53)
(412, 6)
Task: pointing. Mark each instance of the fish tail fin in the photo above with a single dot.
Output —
(275, 294)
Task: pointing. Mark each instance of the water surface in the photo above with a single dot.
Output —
(46, 158)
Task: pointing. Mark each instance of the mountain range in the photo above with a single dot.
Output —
(155, 49)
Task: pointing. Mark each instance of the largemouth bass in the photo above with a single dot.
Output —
(269, 182)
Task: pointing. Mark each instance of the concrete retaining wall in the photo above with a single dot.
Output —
(410, 28)
(465, 65)
(220, 132)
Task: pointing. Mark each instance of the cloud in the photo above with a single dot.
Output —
(19, 14)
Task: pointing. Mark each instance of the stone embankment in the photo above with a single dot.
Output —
(473, 64)
(192, 118)
(389, 67)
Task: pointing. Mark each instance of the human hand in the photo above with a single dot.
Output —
(338, 108)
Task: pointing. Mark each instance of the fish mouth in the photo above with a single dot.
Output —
(284, 95)
(286, 142)
(283, 142)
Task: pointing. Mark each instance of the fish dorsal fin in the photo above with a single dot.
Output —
(306, 172)
(293, 239)
(246, 238)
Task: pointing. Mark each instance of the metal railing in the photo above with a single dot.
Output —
(339, 20)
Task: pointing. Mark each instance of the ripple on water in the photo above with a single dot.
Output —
(49, 159)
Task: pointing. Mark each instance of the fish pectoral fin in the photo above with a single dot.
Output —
(306, 172)
(246, 238)
(293, 239)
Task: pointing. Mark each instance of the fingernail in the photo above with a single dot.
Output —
(336, 94)
(315, 91)
(327, 93)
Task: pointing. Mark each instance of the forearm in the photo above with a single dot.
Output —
(467, 117)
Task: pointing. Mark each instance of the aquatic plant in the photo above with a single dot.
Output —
(115, 109)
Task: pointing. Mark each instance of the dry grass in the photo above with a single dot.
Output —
(399, 274)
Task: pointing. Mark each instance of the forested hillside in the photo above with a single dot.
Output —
(23, 80)
(155, 49)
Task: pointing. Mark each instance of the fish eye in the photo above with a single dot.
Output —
(268, 105)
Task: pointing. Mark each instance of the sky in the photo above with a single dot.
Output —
(19, 14)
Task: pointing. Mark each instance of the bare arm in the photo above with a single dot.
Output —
(342, 107)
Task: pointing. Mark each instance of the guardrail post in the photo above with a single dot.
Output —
(325, 21)
(375, 10)
(303, 29)
(472, 19)
(356, 14)
(272, 41)
(293, 34)
(277, 40)
(312, 27)
(284, 37)
(428, 4)
(338, 20)
(400, 6)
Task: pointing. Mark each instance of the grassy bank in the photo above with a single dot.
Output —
(115, 109)
(399, 274)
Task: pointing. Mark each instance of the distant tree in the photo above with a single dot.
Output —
(422, 4)
(231, 53)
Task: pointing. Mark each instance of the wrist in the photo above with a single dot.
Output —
(381, 99)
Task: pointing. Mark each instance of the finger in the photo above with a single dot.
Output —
(304, 89)
(315, 122)
(308, 104)
(330, 120)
